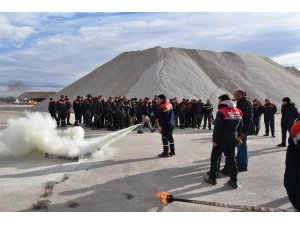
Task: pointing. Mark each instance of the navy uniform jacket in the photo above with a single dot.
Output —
(228, 122)
(292, 170)
(289, 115)
(269, 110)
(165, 116)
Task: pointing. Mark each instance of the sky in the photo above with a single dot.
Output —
(49, 51)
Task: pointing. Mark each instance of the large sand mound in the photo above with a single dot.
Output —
(186, 73)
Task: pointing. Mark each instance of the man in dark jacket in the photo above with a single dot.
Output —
(269, 110)
(139, 113)
(88, 110)
(257, 112)
(98, 112)
(166, 123)
(77, 104)
(289, 115)
(52, 109)
(228, 121)
(61, 111)
(182, 113)
(242, 150)
(197, 109)
(292, 170)
(175, 105)
(69, 106)
(207, 110)
(145, 110)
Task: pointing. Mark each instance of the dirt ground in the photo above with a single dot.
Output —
(126, 176)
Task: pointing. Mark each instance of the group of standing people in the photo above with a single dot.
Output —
(237, 119)
(121, 112)
(289, 114)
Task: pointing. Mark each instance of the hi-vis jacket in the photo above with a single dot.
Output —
(228, 122)
(165, 116)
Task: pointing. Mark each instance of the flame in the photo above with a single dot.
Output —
(163, 196)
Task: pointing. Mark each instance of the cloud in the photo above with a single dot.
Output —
(13, 33)
(291, 59)
(61, 47)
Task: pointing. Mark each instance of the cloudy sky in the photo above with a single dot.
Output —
(48, 51)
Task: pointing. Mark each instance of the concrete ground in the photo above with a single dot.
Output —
(126, 176)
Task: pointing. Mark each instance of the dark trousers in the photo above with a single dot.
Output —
(188, 120)
(197, 120)
(182, 121)
(167, 139)
(88, 118)
(54, 116)
(61, 119)
(77, 117)
(97, 121)
(269, 123)
(256, 122)
(228, 148)
(207, 117)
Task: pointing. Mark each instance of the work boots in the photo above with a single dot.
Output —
(163, 155)
(210, 180)
(232, 183)
(281, 145)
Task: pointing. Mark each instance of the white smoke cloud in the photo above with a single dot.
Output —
(37, 133)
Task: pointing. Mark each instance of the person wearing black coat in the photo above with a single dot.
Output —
(207, 110)
(132, 113)
(98, 113)
(269, 110)
(110, 111)
(245, 106)
(69, 106)
(61, 111)
(198, 112)
(182, 113)
(289, 115)
(77, 104)
(228, 124)
(257, 112)
(88, 110)
(292, 170)
(52, 109)
(145, 110)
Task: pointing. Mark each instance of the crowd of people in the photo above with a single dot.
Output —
(121, 112)
(235, 120)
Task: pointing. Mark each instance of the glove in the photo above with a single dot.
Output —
(239, 140)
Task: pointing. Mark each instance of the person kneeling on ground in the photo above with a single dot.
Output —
(145, 110)
(227, 123)
(166, 123)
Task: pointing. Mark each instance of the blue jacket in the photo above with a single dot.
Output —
(165, 116)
